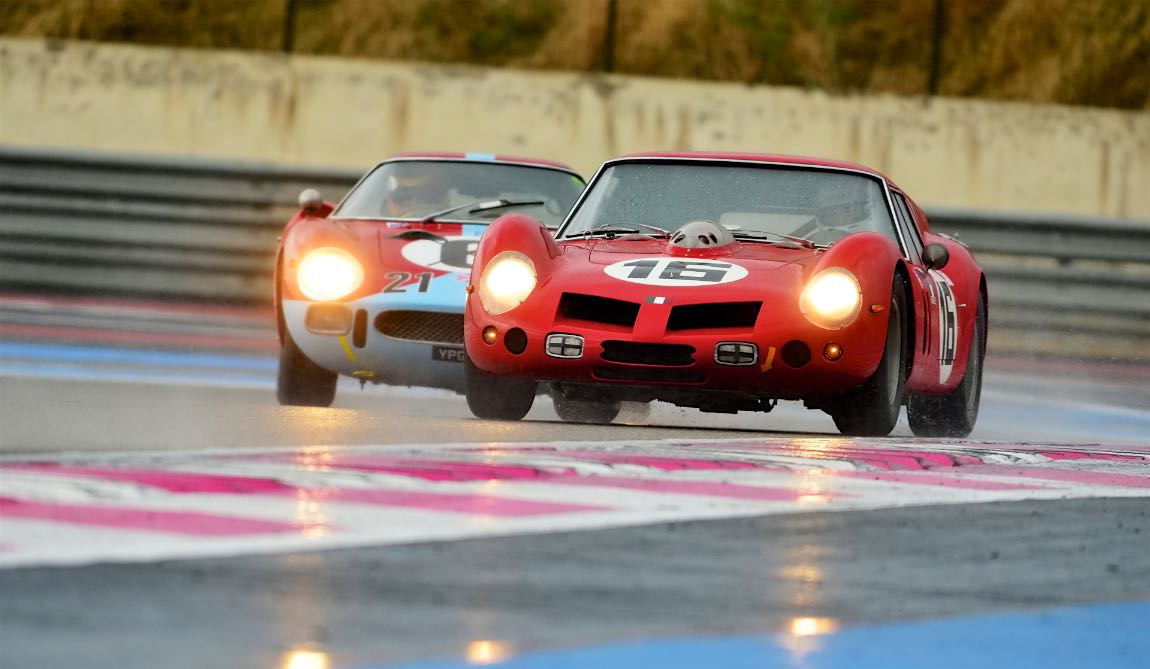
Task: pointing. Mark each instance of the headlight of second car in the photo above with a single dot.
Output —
(831, 299)
(329, 273)
(506, 281)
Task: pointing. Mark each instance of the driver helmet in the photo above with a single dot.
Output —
(410, 192)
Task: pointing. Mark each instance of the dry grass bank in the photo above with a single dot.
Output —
(1085, 52)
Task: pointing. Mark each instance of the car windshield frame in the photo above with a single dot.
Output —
(339, 212)
(884, 193)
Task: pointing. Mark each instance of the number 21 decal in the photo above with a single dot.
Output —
(670, 272)
(399, 279)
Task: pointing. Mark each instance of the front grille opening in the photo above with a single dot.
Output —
(649, 375)
(598, 309)
(635, 353)
(714, 315)
(425, 326)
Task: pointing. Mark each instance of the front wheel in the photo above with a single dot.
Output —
(301, 382)
(496, 397)
(872, 409)
(953, 415)
(585, 411)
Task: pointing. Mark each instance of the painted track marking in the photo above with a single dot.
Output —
(152, 506)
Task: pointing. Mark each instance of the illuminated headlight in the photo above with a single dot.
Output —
(507, 280)
(831, 298)
(329, 274)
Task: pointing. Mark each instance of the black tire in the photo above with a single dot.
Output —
(301, 382)
(584, 411)
(954, 415)
(872, 409)
(497, 397)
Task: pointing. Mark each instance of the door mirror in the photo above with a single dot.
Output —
(935, 256)
(310, 201)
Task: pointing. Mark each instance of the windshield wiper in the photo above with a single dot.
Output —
(759, 234)
(481, 205)
(609, 230)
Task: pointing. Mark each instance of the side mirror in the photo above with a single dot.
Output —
(310, 201)
(935, 256)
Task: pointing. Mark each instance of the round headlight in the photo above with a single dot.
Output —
(507, 280)
(831, 299)
(329, 274)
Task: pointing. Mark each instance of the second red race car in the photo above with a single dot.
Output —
(728, 282)
(373, 288)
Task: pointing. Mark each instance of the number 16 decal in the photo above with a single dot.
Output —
(669, 272)
(947, 325)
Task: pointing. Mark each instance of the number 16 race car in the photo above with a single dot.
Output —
(728, 282)
(374, 288)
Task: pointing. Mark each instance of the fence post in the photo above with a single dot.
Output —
(936, 47)
(289, 26)
(609, 36)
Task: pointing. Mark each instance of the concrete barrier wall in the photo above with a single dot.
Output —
(327, 112)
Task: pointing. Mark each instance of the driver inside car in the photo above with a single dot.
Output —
(412, 195)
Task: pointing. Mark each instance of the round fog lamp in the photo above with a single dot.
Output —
(490, 335)
(832, 351)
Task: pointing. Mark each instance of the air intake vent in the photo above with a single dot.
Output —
(426, 326)
(714, 316)
(634, 353)
(598, 309)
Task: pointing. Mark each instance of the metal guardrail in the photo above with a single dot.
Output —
(145, 227)
(198, 230)
(1059, 285)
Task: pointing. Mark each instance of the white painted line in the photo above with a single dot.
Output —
(83, 508)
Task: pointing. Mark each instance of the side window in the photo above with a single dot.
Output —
(909, 229)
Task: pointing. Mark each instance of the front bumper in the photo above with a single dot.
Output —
(385, 341)
(651, 356)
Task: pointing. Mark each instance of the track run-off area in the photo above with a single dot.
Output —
(157, 508)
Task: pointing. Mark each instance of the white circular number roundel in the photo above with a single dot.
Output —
(676, 272)
(451, 254)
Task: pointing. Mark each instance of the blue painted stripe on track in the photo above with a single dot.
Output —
(73, 354)
(1116, 636)
(78, 373)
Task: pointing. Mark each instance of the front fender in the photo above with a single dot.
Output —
(516, 232)
(872, 258)
(359, 239)
(513, 232)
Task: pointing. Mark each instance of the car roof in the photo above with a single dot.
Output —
(774, 158)
(478, 157)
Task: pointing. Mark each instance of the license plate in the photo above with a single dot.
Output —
(448, 353)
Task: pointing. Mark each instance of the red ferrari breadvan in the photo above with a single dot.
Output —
(728, 282)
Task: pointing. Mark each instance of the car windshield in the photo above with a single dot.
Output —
(415, 189)
(821, 206)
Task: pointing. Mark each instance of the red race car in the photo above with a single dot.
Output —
(728, 282)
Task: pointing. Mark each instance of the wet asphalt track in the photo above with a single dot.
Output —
(489, 597)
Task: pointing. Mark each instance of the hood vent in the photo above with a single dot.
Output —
(701, 235)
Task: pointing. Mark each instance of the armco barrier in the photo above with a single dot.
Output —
(187, 229)
(206, 231)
